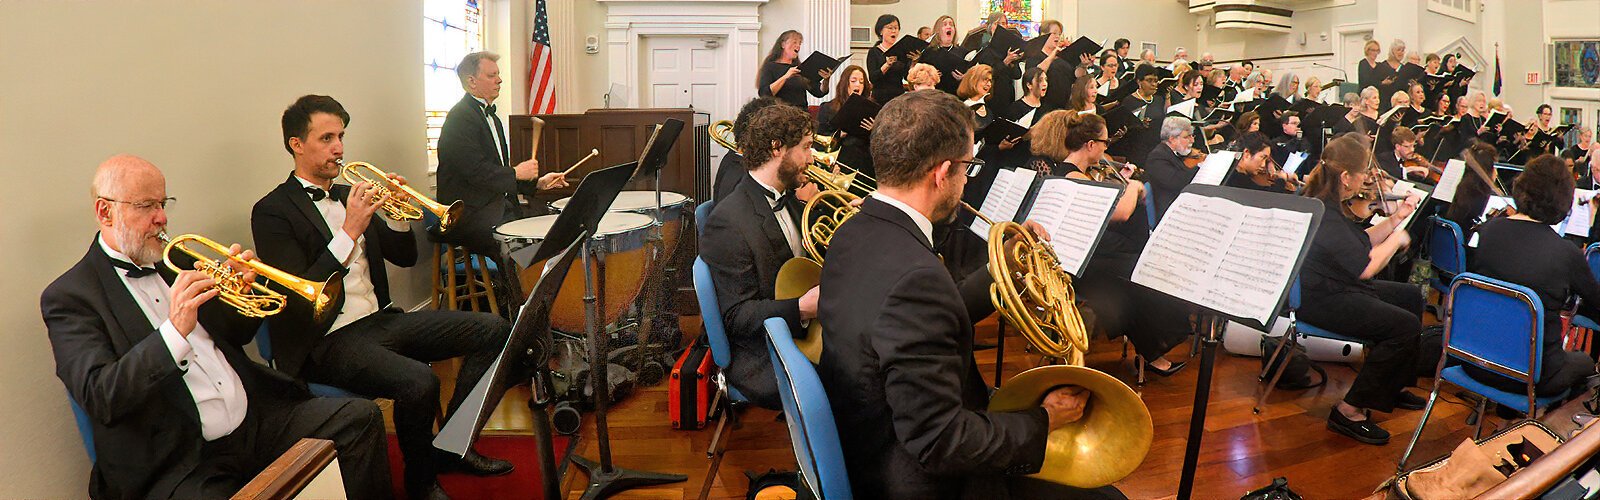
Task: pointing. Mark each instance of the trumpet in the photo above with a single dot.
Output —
(249, 297)
(408, 204)
(822, 167)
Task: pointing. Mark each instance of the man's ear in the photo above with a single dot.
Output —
(102, 211)
(295, 145)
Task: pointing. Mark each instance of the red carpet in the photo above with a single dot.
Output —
(522, 482)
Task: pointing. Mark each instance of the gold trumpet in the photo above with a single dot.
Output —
(822, 167)
(824, 213)
(248, 297)
(1033, 293)
(408, 204)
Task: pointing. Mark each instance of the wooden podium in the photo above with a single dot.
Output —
(620, 135)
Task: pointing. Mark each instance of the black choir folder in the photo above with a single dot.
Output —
(812, 67)
(1073, 211)
(855, 109)
(905, 46)
(1230, 251)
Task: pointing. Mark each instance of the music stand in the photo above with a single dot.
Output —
(654, 156)
(1215, 284)
(527, 350)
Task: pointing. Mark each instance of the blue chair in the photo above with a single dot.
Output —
(264, 346)
(1150, 206)
(1297, 330)
(701, 213)
(84, 427)
(1484, 319)
(1591, 254)
(727, 398)
(1447, 253)
(812, 431)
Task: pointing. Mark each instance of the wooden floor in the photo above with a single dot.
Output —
(1240, 452)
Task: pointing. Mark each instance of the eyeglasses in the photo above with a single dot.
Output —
(973, 166)
(1107, 142)
(164, 203)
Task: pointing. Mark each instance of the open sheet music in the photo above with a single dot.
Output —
(1294, 162)
(1449, 180)
(1581, 218)
(1225, 256)
(1073, 212)
(1214, 168)
(1404, 188)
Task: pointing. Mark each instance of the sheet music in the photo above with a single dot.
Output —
(1582, 215)
(1005, 198)
(1294, 162)
(1449, 180)
(1330, 96)
(1245, 96)
(1186, 108)
(1214, 168)
(1105, 88)
(1074, 214)
(1403, 188)
(1222, 255)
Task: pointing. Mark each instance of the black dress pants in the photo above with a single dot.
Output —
(386, 355)
(270, 427)
(1153, 322)
(1391, 323)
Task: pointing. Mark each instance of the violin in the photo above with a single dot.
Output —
(1194, 159)
(1274, 173)
(1417, 161)
(1108, 170)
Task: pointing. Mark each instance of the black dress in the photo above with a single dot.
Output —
(1528, 253)
(890, 84)
(948, 60)
(1580, 158)
(1005, 77)
(854, 152)
(1386, 314)
(1020, 109)
(793, 90)
(1368, 75)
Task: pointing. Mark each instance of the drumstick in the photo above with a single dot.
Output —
(592, 153)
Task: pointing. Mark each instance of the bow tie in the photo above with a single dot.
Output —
(317, 194)
(132, 270)
(488, 110)
(781, 202)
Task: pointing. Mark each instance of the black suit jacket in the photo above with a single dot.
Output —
(730, 172)
(291, 235)
(900, 375)
(1165, 171)
(471, 171)
(114, 364)
(744, 248)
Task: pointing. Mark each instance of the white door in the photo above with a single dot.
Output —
(682, 72)
(1350, 45)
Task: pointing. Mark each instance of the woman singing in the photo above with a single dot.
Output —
(1341, 295)
(853, 150)
(780, 73)
(887, 73)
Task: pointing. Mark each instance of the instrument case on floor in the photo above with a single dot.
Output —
(689, 390)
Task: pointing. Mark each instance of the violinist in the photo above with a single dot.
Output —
(1341, 295)
(1256, 170)
(1472, 194)
(1403, 162)
(1165, 169)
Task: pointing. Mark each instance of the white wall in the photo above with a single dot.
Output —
(197, 88)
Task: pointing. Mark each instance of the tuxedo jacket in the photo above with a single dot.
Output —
(291, 235)
(114, 363)
(898, 368)
(744, 249)
(471, 171)
(730, 172)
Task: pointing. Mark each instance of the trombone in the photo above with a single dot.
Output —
(825, 169)
(408, 204)
(249, 297)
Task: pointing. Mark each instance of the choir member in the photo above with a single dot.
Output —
(1431, 64)
(1313, 88)
(780, 73)
(1031, 107)
(1064, 73)
(1370, 71)
(1005, 68)
(1389, 71)
(1288, 84)
(1146, 78)
(1581, 153)
(1082, 96)
(1147, 57)
(945, 54)
(1125, 64)
(925, 33)
(922, 76)
(887, 72)
(853, 150)
(975, 91)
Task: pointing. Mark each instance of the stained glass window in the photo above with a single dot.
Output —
(1577, 63)
(451, 29)
(1024, 14)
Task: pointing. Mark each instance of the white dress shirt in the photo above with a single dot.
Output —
(785, 221)
(920, 220)
(360, 298)
(494, 132)
(217, 391)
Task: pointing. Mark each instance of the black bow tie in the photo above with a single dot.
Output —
(317, 194)
(488, 110)
(781, 202)
(132, 270)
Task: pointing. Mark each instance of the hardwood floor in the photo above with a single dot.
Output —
(1240, 451)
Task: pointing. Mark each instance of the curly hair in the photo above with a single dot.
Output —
(771, 128)
(1544, 189)
(969, 82)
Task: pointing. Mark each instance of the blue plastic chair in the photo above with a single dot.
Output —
(84, 427)
(701, 213)
(727, 398)
(812, 432)
(264, 346)
(1150, 206)
(1484, 318)
(1591, 254)
(1447, 252)
(1297, 329)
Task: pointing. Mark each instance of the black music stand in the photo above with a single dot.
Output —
(1211, 320)
(526, 355)
(605, 478)
(651, 160)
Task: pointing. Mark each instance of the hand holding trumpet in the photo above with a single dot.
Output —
(193, 288)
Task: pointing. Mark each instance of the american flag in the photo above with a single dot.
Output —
(541, 65)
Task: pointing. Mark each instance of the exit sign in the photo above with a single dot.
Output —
(1533, 78)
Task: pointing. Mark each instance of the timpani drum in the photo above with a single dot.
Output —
(673, 207)
(618, 266)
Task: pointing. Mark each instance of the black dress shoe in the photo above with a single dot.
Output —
(474, 464)
(1364, 431)
(432, 491)
(1409, 401)
(1171, 370)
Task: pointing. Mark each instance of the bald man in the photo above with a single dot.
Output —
(177, 409)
